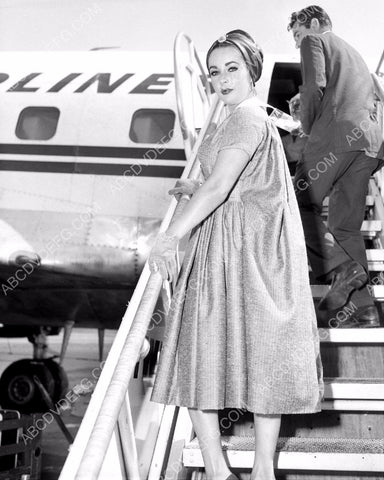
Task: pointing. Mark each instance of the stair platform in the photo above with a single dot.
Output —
(292, 453)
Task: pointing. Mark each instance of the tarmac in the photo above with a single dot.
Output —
(81, 359)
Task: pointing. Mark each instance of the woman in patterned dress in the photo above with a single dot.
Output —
(241, 330)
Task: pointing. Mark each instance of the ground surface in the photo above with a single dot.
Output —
(80, 362)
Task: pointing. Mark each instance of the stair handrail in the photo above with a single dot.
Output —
(114, 379)
(199, 82)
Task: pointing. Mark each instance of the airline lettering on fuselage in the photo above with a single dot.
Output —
(156, 83)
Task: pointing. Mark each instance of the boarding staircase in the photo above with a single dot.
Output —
(344, 441)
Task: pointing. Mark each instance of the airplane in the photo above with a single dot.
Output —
(90, 144)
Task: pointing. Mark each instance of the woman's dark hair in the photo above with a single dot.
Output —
(250, 51)
(305, 15)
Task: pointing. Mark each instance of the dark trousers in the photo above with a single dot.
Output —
(344, 177)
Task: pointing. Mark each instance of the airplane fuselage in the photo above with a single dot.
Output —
(90, 144)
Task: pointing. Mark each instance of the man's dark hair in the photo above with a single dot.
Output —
(305, 15)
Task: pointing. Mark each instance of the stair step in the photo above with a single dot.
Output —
(293, 453)
(369, 201)
(353, 405)
(375, 259)
(375, 254)
(351, 335)
(353, 388)
(377, 291)
(369, 228)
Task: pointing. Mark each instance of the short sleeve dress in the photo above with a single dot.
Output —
(241, 330)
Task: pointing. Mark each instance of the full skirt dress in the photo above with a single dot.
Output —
(241, 330)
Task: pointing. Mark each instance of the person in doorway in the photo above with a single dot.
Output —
(241, 329)
(343, 149)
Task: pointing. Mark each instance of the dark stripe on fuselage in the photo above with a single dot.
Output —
(127, 169)
(148, 153)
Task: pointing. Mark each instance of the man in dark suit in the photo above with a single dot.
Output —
(343, 150)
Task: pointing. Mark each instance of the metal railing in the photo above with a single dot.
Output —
(193, 90)
(109, 407)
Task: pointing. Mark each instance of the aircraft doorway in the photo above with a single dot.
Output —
(285, 81)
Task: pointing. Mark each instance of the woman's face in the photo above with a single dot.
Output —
(230, 77)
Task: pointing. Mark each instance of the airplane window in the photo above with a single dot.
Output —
(151, 125)
(37, 123)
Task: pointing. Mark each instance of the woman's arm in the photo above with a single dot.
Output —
(226, 171)
(243, 134)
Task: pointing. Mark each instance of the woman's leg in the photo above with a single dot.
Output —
(267, 429)
(206, 426)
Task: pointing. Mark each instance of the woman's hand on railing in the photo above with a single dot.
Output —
(184, 187)
(163, 256)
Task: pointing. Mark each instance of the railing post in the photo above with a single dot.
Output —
(127, 439)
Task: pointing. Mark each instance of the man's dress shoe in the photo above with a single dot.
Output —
(363, 317)
(348, 277)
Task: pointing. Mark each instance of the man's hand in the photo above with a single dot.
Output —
(294, 107)
(298, 132)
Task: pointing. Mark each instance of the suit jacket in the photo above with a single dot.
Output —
(337, 98)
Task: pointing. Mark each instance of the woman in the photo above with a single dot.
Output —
(241, 331)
